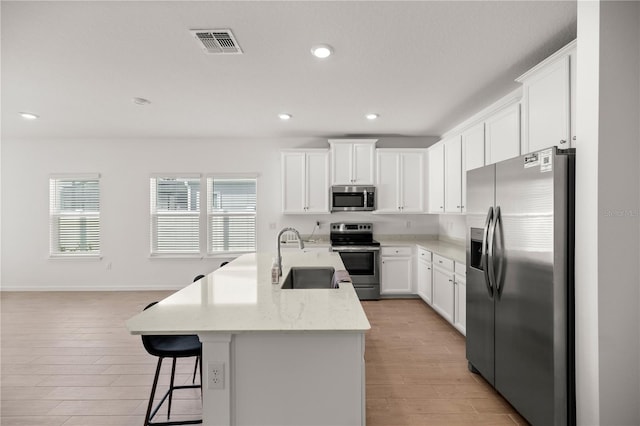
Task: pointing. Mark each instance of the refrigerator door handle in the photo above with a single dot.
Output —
(485, 259)
(490, 270)
(499, 282)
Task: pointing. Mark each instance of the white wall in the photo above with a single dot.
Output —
(607, 208)
(125, 167)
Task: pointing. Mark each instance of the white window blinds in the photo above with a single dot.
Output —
(231, 214)
(175, 215)
(74, 214)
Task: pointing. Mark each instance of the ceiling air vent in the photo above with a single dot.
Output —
(217, 41)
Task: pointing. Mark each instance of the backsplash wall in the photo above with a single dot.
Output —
(382, 224)
(453, 227)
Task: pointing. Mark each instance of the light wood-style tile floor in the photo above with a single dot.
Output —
(67, 359)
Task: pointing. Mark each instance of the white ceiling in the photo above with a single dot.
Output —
(422, 65)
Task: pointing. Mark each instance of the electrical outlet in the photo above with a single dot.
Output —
(318, 224)
(215, 375)
(408, 224)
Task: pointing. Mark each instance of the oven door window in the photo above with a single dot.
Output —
(359, 262)
(348, 199)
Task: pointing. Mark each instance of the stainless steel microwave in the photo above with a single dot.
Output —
(353, 198)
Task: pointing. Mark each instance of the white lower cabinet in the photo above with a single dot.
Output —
(424, 276)
(449, 290)
(443, 292)
(396, 270)
(460, 299)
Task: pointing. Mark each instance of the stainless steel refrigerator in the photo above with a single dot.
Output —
(520, 317)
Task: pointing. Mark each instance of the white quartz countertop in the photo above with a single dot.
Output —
(455, 251)
(240, 298)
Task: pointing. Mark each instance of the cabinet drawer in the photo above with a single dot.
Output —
(424, 254)
(460, 269)
(395, 251)
(443, 262)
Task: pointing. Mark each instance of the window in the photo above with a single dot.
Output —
(74, 214)
(175, 215)
(231, 214)
(179, 226)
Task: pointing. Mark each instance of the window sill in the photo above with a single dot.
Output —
(193, 256)
(227, 254)
(82, 257)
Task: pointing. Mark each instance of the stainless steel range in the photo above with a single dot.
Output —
(360, 254)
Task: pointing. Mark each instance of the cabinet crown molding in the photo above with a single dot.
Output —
(504, 102)
(564, 51)
(372, 141)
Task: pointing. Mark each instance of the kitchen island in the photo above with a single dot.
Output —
(288, 357)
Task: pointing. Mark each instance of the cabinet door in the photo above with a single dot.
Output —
(317, 177)
(502, 134)
(363, 163)
(395, 275)
(443, 293)
(341, 163)
(460, 311)
(424, 283)
(547, 107)
(293, 182)
(453, 175)
(472, 155)
(412, 182)
(436, 178)
(387, 182)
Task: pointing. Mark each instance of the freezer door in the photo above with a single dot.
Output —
(531, 298)
(480, 316)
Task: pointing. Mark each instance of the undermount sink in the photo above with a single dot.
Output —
(300, 277)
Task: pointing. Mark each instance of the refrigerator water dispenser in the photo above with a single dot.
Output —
(475, 260)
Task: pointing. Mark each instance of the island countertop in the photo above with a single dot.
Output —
(240, 298)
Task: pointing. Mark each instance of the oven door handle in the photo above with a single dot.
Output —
(358, 248)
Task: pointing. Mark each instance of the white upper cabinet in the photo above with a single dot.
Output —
(548, 101)
(305, 181)
(453, 175)
(502, 134)
(412, 174)
(352, 161)
(436, 178)
(387, 182)
(472, 155)
(400, 180)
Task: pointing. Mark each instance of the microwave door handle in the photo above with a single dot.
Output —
(365, 199)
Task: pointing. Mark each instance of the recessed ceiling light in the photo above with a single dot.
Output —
(284, 116)
(141, 101)
(372, 116)
(29, 116)
(321, 51)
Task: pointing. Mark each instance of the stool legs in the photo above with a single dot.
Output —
(147, 417)
(195, 368)
(150, 414)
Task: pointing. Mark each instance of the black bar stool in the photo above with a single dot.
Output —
(174, 347)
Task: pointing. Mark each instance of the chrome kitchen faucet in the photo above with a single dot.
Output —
(279, 258)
